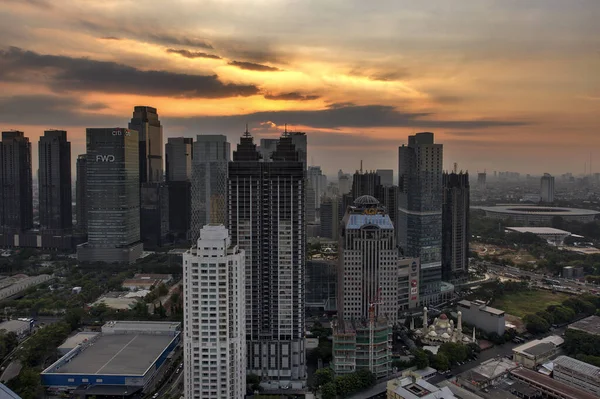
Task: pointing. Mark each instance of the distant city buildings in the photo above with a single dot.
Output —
(113, 197)
(331, 215)
(420, 210)
(80, 193)
(481, 181)
(214, 312)
(547, 188)
(178, 158)
(145, 122)
(209, 182)
(266, 220)
(455, 227)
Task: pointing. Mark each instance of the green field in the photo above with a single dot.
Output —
(521, 303)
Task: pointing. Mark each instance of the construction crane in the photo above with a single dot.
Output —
(376, 301)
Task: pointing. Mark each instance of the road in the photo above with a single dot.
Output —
(168, 379)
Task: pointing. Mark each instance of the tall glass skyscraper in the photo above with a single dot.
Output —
(420, 210)
(455, 227)
(266, 220)
(209, 182)
(145, 122)
(55, 193)
(80, 193)
(16, 197)
(113, 196)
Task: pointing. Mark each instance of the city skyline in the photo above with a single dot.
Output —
(503, 86)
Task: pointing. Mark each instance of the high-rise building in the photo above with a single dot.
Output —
(55, 195)
(267, 148)
(367, 289)
(16, 196)
(318, 182)
(179, 155)
(331, 216)
(209, 182)
(300, 142)
(215, 331)
(420, 210)
(154, 214)
(547, 188)
(266, 219)
(145, 122)
(481, 181)
(80, 193)
(113, 196)
(455, 227)
(386, 176)
(366, 183)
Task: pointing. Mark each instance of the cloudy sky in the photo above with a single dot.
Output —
(504, 84)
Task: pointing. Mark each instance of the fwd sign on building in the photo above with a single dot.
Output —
(105, 158)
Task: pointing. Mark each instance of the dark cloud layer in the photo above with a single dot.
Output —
(251, 66)
(166, 38)
(192, 54)
(81, 74)
(293, 96)
(340, 116)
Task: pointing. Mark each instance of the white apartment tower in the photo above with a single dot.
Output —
(214, 312)
(547, 188)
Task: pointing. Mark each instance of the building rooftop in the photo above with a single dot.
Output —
(129, 354)
(77, 339)
(411, 388)
(540, 346)
(590, 325)
(6, 393)
(358, 221)
(482, 306)
(15, 326)
(563, 390)
(490, 369)
(154, 327)
(578, 366)
(539, 230)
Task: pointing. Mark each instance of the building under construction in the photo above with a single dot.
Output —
(362, 345)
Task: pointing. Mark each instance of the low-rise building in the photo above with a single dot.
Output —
(20, 327)
(484, 317)
(413, 387)
(572, 272)
(589, 325)
(577, 374)
(537, 352)
(486, 374)
(549, 234)
(549, 387)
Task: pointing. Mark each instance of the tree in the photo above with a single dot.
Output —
(74, 317)
(421, 359)
(366, 377)
(544, 314)
(535, 324)
(328, 391)
(27, 384)
(253, 383)
(440, 362)
(454, 351)
(323, 376)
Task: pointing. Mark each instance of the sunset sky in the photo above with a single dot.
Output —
(504, 84)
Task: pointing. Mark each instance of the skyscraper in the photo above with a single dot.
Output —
(16, 197)
(55, 195)
(209, 182)
(547, 188)
(113, 196)
(267, 148)
(80, 193)
(455, 227)
(481, 180)
(215, 331)
(266, 219)
(386, 176)
(420, 209)
(366, 183)
(179, 155)
(331, 215)
(145, 122)
(318, 183)
(154, 214)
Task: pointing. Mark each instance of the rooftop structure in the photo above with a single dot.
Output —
(537, 352)
(487, 373)
(552, 235)
(18, 327)
(484, 317)
(75, 340)
(548, 386)
(126, 353)
(537, 215)
(590, 325)
(578, 374)
(414, 388)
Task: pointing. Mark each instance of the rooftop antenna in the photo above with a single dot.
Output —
(361, 170)
(455, 167)
(246, 133)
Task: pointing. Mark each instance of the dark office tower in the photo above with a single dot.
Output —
(420, 210)
(331, 216)
(367, 183)
(113, 197)
(179, 155)
(55, 195)
(16, 198)
(266, 219)
(481, 181)
(389, 199)
(154, 214)
(80, 193)
(209, 182)
(299, 141)
(455, 228)
(145, 122)
(387, 177)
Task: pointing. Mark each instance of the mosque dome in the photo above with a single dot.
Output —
(432, 334)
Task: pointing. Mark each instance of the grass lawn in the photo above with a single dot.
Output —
(521, 303)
